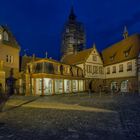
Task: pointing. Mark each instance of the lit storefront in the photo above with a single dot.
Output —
(48, 77)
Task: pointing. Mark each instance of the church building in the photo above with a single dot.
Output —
(73, 37)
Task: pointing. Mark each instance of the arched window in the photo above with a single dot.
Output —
(5, 36)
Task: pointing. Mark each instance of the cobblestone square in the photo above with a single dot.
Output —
(71, 117)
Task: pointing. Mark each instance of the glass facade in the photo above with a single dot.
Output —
(58, 86)
(67, 86)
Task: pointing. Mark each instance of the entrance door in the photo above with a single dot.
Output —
(114, 86)
(124, 86)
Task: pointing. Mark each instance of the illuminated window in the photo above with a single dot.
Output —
(75, 85)
(58, 86)
(129, 66)
(121, 68)
(5, 36)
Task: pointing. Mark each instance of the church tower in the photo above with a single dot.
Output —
(73, 37)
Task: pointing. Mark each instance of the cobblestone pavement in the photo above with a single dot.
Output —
(21, 120)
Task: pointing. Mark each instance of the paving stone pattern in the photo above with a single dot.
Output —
(26, 123)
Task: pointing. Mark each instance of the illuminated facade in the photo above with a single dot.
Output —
(121, 64)
(117, 66)
(48, 77)
(90, 62)
(9, 54)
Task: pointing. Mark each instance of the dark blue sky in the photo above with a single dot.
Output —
(38, 24)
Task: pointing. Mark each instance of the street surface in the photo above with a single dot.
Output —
(71, 117)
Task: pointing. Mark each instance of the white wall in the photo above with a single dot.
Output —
(125, 73)
(98, 63)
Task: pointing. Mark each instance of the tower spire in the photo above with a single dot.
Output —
(72, 15)
(125, 32)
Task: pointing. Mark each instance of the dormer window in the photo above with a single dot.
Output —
(112, 57)
(5, 36)
(127, 52)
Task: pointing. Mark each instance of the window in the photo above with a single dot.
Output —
(57, 68)
(96, 69)
(89, 69)
(94, 58)
(111, 58)
(126, 52)
(108, 70)
(129, 66)
(5, 36)
(100, 70)
(66, 69)
(121, 68)
(114, 69)
(9, 59)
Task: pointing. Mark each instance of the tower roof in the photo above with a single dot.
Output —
(72, 15)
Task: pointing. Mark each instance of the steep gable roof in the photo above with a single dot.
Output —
(116, 53)
(11, 41)
(77, 58)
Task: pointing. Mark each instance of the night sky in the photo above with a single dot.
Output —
(38, 24)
